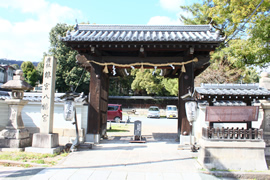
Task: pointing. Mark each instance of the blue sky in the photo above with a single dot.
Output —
(25, 24)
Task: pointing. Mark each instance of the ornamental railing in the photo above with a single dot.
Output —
(232, 134)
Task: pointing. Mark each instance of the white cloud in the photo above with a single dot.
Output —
(171, 5)
(163, 20)
(26, 6)
(28, 39)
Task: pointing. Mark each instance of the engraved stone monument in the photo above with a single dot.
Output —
(15, 135)
(46, 141)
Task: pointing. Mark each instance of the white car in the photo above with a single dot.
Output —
(153, 111)
(171, 111)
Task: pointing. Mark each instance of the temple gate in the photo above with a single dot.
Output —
(112, 50)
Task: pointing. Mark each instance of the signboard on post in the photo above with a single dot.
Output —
(137, 128)
(48, 89)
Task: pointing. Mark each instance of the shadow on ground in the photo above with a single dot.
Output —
(168, 138)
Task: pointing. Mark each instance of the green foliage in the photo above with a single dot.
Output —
(147, 83)
(68, 73)
(38, 161)
(30, 73)
(171, 85)
(46, 159)
(251, 45)
(40, 69)
(199, 13)
(246, 47)
(120, 86)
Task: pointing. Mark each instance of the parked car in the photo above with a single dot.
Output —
(153, 111)
(171, 111)
(114, 112)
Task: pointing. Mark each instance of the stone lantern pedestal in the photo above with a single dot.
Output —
(15, 135)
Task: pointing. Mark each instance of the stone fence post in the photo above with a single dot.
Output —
(265, 83)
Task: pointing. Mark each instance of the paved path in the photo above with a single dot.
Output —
(116, 158)
(157, 160)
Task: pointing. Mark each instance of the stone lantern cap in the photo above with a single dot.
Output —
(17, 83)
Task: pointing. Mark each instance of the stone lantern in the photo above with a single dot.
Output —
(15, 135)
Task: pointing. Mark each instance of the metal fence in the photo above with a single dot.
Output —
(232, 134)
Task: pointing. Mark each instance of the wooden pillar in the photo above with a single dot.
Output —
(185, 81)
(97, 109)
(104, 102)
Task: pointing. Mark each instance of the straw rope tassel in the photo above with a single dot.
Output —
(142, 68)
(183, 68)
(105, 70)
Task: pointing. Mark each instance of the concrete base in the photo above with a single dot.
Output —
(68, 135)
(15, 143)
(14, 138)
(11, 149)
(44, 150)
(45, 140)
(185, 140)
(267, 151)
(232, 155)
(184, 147)
(92, 138)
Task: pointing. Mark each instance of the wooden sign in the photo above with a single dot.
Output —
(231, 113)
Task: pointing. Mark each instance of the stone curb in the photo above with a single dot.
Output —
(18, 163)
(240, 175)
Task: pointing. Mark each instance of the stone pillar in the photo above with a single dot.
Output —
(266, 125)
(200, 122)
(265, 83)
(265, 80)
(46, 139)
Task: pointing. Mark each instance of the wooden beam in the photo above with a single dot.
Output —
(126, 59)
(142, 52)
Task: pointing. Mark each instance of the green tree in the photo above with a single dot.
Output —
(40, 69)
(68, 73)
(171, 85)
(30, 73)
(241, 49)
(247, 44)
(120, 86)
(145, 82)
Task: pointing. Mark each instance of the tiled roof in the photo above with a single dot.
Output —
(143, 33)
(225, 103)
(33, 97)
(232, 89)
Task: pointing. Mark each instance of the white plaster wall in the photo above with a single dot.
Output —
(31, 115)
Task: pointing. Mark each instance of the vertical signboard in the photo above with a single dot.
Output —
(137, 128)
(48, 89)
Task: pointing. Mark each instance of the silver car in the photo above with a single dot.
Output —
(153, 111)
